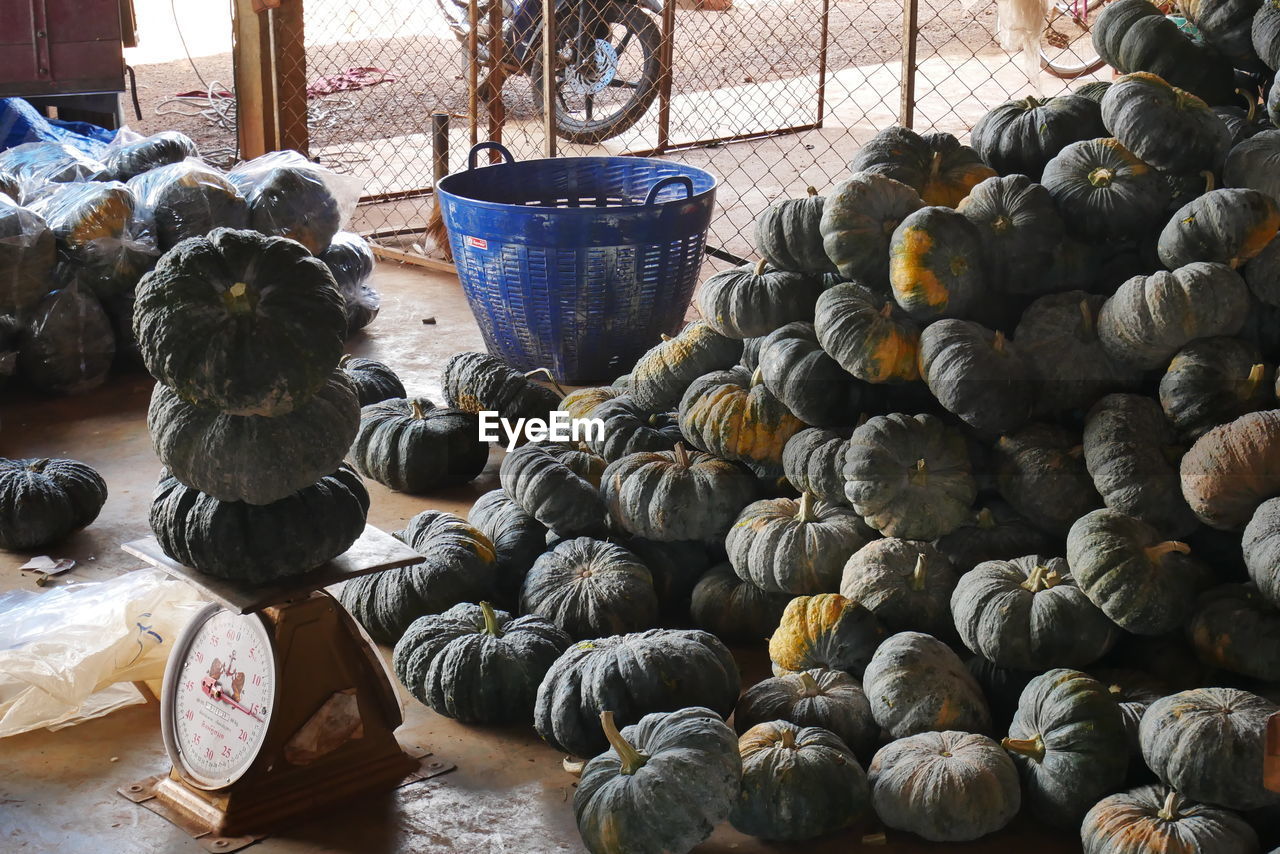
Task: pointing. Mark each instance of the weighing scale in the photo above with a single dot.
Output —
(276, 703)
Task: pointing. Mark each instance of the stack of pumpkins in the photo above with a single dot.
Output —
(252, 415)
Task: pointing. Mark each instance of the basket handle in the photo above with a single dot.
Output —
(663, 183)
(482, 146)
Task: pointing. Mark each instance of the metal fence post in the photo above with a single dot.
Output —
(549, 76)
(910, 29)
(439, 147)
(473, 70)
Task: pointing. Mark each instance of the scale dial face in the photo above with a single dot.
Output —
(220, 689)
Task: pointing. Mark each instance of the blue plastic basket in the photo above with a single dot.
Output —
(577, 264)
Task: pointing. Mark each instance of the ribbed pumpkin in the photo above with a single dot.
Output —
(187, 199)
(977, 375)
(859, 219)
(33, 164)
(1134, 690)
(824, 631)
(752, 300)
(1022, 136)
(935, 264)
(732, 415)
(1236, 629)
(373, 381)
(150, 152)
(653, 671)
(458, 566)
(1262, 274)
(1151, 819)
(66, 345)
(83, 213)
(798, 371)
(1232, 469)
(935, 165)
(591, 588)
(682, 766)
(253, 458)
(259, 544)
(1028, 614)
(1252, 164)
(1212, 381)
(628, 429)
(787, 235)
(995, 531)
(476, 664)
(1020, 228)
(662, 374)
(1265, 34)
(475, 382)
(1227, 226)
(44, 501)
(291, 201)
(1146, 585)
(1163, 125)
(248, 324)
(1103, 190)
(797, 783)
(1208, 743)
(831, 699)
(414, 446)
(580, 403)
(813, 461)
(797, 547)
(734, 610)
(917, 684)
(1227, 28)
(350, 258)
(1151, 317)
(1261, 547)
(867, 335)
(1069, 741)
(556, 485)
(1041, 472)
(1131, 451)
(907, 584)
(676, 495)
(517, 538)
(945, 786)
(27, 255)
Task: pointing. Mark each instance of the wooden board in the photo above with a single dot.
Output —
(375, 551)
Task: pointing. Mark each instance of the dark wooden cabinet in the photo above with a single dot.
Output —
(51, 47)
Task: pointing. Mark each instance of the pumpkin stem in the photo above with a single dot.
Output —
(682, 455)
(809, 684)
(935, 165)
(38, 466)
(757, 377)
(1159, 550)
(920, 477)
(1088, 324)
(887, 311)
(1034, 579)
(806, 514)
(760, 265)
(632, 759)
(490, 620)
(237, 299)
(1031, 102)
(1209, 180)
(1101, 177)
(787, 738)
(1250, 105)
(986, 519)
(997, 343)
(812, 191)
(665, 337)
(1169, 812)
(917, 574)
(415, 409)
(1251, 383)
(547, 373)
(1031, 748)
(346, 357)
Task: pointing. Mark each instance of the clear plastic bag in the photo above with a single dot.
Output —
(9, 187)
(9, 331)
(37, 164)
(187, 199)
(62, 650)
(289, 196)
(67, 343)
(27, 255)
(351, 261)
(130, 154)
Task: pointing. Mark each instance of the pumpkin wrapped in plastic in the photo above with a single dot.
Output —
(36, 164)
(147, 153)
(187, 199)
(68, 344)
(27, 255)
(289, 196)
(351, 260)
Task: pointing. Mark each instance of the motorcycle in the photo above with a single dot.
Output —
(606, 58)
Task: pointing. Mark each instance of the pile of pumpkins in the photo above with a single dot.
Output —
(78, 234)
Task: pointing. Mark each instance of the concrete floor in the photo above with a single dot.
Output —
(508, 795)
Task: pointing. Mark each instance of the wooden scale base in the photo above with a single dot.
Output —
(322, 655)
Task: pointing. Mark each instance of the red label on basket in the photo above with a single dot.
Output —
(475, 242)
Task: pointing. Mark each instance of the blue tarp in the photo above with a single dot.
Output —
(20, 122)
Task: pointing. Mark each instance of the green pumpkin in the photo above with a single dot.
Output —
(1146, 585)
(1104, 191)
(87, 216)
(1155, 819)
(1058, 337)
(1261, 548)
(1151, 317)
(1208, 743)
(917, 684)
(1069, 742)
(373, 381)
(1227, 226)
(811, 384)
(995, 531)
(580, 403)
(787, 235)
(247, 324)
(476, 664)
(67, 344)
(935, 165)
(291, 201)
(653, 671)
(260, 544)
(187, 199)
(478, 382)
(752, 300)
(859, 219)
(1041, 472)
(253, 458)
(1002, 686)
(34, 164)
(824, 631)
(1134, 691)
(676, 495)
(150, 152)
(556, 485)
(458, 565)
(518, 539)
(628, 429)
(798, 547)
(27, 255)
(1167, 127)
(1020, 229)
(1265, 33)
(1262, 274)
(866, 334)
(797, 783)
(591, 588)
(907, 584)
(1022, 136)
(909, 477)
(1252, 164)
(682, 766)
(1232, 469)
(661, 375)
(977, 375)
(945, 786)
(414, 446)
(732, 415)
(1028, 614)
(813, 462)
(1226, 25)
(734, 610)
(1094, 90)
(1212, 381)
(935, 264)
(42, 502)
(1236, 629)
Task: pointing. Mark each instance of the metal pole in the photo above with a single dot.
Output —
(493, 87)
(822, 62)
(549, 76)
(473, 70)
(666, 61)
(439, 147)
(910, 28)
